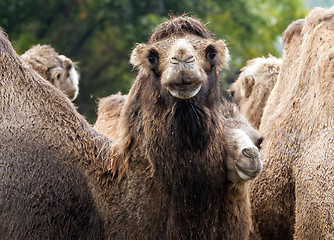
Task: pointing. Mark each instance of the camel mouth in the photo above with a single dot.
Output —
(185, 90)
(72, 95)
(247, 173)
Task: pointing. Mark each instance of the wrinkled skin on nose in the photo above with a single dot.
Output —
(183, 77)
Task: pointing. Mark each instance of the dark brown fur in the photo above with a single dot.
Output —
(175, 147)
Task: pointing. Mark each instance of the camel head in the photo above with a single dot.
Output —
(56, 69)
(242, 149)
(259, 74)
(65, 77)
(182, 58)
(253, 86)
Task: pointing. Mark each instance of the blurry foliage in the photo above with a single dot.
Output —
(100, 34)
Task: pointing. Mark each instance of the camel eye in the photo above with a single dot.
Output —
(231, 94)
(153, 57)
(211, 52)
(259, 142)
(211, 55)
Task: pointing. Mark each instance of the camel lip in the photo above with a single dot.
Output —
(185, 90)
(247, 174)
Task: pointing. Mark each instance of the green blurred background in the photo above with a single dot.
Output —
(100, 34)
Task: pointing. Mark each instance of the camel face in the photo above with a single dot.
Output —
(66, 77)
(182, 64)
(243, 157)
(182, 76)
(252, 88)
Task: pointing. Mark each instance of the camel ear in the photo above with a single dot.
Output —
(138, 57)
(66, 62)
(247, 86)
(223, 57)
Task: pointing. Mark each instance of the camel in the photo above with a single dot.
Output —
(251, 89)
(166, 175)
(294, 198)
(46, 149)
(57, 69)
(148, 93)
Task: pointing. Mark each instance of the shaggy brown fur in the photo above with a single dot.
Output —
(45, 146)
(108, 114)
(253, 86)
(176, 146)
(57, 69)
(180, 27)
(294, 196)
(109, 109)
(168, 174)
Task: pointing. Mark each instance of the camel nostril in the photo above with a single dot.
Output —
(182, 59)
(174, 60)
(190, 59)
(250, 152)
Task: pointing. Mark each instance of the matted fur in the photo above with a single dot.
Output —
(41, 58)
(108, 118)
(251, 89)
(180, 25)
(294, 197)
(46, 149)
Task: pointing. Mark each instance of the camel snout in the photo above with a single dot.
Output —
(72, 94)
(249, 165)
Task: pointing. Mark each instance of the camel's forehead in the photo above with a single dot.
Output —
(197, 42)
